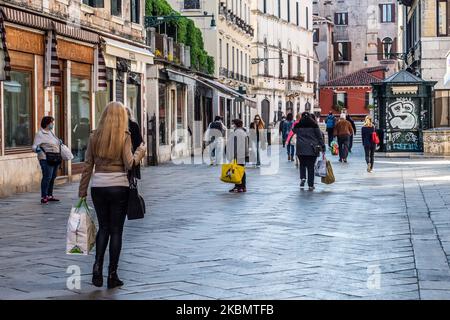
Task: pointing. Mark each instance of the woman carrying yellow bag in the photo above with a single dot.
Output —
(234, 172)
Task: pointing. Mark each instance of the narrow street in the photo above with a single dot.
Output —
(384, 235)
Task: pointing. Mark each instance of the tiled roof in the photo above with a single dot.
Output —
(363, 77)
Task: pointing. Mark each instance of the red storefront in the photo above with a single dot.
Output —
(352, 92)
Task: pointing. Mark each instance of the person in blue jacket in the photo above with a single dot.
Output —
(330, 122)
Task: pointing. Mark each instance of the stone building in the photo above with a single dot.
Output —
(284, 58)
(228, 42)
(99, 55)
(364, 35)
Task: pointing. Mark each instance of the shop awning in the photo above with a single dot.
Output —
(127, 51)
(227, 90)
(43, 23)
(181, 77)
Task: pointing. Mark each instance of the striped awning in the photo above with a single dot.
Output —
(44, 23)
(5, 61)
(99, 70)
(52, 71)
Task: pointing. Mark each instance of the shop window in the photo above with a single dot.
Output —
(163, 116)
(135, 11)
(442, 108)
(81, 116)
(102, 98)
(116, 7)
(133, 101)
(18, 110)
(180, 112)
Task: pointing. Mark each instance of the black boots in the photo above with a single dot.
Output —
(113, 279)
(97, 274)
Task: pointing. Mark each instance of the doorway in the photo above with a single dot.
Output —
(265, 111)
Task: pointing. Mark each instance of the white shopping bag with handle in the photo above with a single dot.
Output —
(81, 230)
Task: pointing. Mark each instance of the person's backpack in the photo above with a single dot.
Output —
(330, 122)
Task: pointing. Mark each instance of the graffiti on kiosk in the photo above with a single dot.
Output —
(402, 115)
(405, 141)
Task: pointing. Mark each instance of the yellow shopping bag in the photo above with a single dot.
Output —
(232, 173)
(329, 178)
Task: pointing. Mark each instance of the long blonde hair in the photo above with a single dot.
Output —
(111, 132)
(261, 124)
(368, 122)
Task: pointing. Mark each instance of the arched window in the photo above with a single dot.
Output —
(387, 45)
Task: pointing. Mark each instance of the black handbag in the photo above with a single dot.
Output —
(136, 204)
(53, 158)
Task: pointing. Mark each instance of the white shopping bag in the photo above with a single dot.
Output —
(81, 230)
(66, 154)
(320, 169)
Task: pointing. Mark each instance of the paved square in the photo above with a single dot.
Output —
(384, 235)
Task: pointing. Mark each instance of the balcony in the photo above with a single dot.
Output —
(166, 49)
(234, 19)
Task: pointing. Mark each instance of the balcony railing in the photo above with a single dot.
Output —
(234, 19)
(165, 48)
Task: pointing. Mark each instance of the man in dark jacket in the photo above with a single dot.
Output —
(136, 139)
(350, 144)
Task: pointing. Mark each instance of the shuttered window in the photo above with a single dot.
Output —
(387, 12)
(342, 51)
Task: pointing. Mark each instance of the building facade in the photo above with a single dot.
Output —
(365, 35)
(284, 58)
(426, 40)
(97, 54)
(228, 42)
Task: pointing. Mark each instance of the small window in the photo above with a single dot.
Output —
(342, 51)
(387, 12)
(442, 21)
(341, 19)
(340, 100)
(116, 7)
(135, 11)
(316, 35)
(94, 3)
(191, 4)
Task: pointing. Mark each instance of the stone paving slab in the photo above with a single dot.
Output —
(384, 235)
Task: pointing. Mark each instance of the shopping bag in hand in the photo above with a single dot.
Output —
(329, 178)
(232, 173)
(334, 148)
(320, 169)
(81, 230)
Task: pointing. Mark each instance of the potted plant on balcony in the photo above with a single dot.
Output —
(339, 106)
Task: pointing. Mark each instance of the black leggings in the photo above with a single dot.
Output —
(307, 163)
(370, 155)
(110, 205)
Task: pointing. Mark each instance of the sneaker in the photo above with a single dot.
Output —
(368, 167)
(302, 183)
(345, 160)
(289, 157)
(311, 188)
(233, 190)
(51, 198)
(241, 190)
(44, 200)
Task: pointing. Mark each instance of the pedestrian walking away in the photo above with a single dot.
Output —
(287, 127)
(258, 139)
(215, 136)
(136, 139)
(238, 147)
(309, 145)
(369, 145)
(280, 128)
(48, 149)
(109, 153)
(350, 144)
(343, 130)
(330, 123)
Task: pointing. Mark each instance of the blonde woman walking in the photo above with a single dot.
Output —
(369, 145)
(109, 152)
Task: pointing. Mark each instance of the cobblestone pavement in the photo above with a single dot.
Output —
(384, 235)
